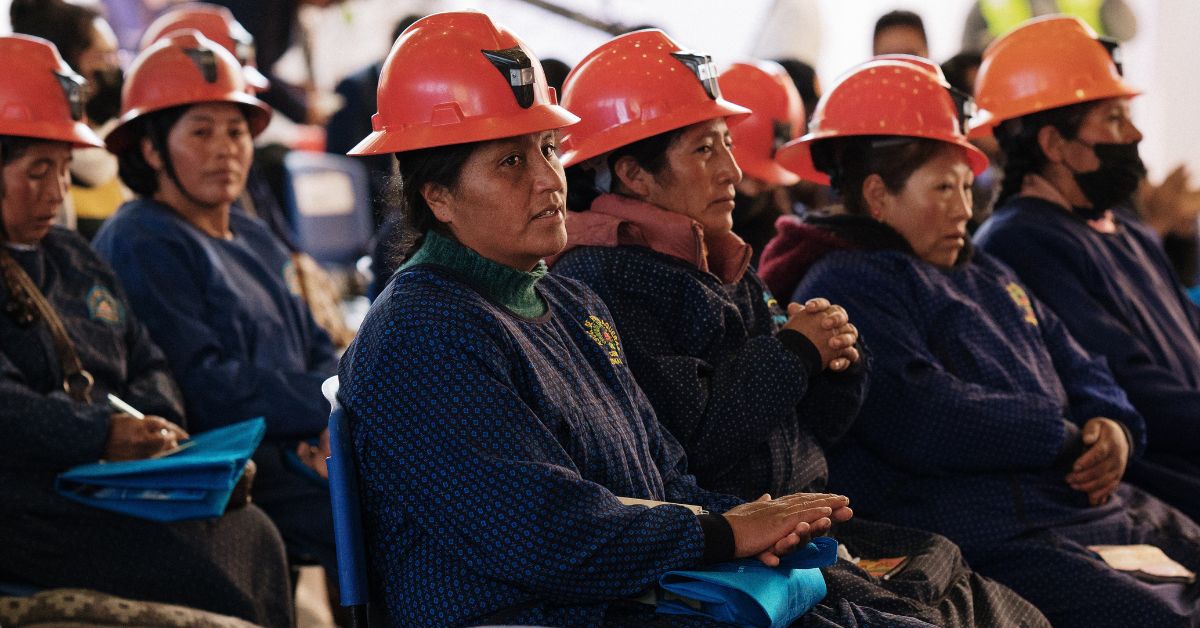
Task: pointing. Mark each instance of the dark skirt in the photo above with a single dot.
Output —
(934, 585)
(1054, 569)
(233, 565)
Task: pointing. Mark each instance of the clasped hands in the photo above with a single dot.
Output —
(828, 327)
(1098, 470)
(769, 528)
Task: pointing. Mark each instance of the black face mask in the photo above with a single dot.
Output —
(1121, 170)
(105, 101)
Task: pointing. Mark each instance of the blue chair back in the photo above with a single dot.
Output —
(347, 519)
(329, 205)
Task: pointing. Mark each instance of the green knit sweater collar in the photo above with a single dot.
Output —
(512, 288)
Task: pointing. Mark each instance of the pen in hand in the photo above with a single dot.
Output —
(118, 404)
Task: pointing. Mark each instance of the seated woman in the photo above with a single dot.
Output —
(1062, 223)
(495, 422)
(213, 285)
(53, 387)
(752, 393)
(985, 421)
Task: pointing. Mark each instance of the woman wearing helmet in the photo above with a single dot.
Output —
(1057, 104)
(214, 286)
(752, 393)
(258, 199)
(53, 408)
(495, 421)
(985, 421)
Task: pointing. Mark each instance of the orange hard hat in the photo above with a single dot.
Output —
(776, 117)
(457, 77)
(883, 98)
(1046, 63)
(40, 95)
(637, 86)
(183, 68)
(216, 23)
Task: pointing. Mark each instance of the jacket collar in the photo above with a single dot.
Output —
(616, 220)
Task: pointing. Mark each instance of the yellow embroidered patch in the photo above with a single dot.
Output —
(103, 306)
(1022, 300)
(603, 333)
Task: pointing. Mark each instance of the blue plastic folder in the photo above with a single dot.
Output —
(748, 593)
(192, 483)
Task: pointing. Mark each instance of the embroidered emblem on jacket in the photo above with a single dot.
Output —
(1022, 300)
(291, 278)
(603, 333)
(103, 306)
(778, 315)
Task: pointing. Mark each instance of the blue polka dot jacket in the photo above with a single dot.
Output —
(492, 448)
(978, 392)
(750, 405)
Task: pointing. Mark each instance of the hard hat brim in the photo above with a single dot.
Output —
(77, 134)
(621, 135)
(796, 155)
(396, 140)
(258, 115)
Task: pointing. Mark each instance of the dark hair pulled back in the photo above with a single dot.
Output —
(1018, 139)
(650, 154)
(850, 160)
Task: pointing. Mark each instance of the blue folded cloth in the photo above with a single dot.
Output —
(193, 483)
(1194, 293)
(748, 593)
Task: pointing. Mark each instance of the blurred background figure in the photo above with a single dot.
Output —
(88, 45)
(900, 32)
(989, 19)
(276, 27)
(352, 121)
(211, 283)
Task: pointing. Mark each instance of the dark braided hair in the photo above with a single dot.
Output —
(1018, 140)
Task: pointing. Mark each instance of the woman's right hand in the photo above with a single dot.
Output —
(769, 528)
(131, 438)
(828, 327)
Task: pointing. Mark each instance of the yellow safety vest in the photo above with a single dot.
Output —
(97, 203)
(1004, 15)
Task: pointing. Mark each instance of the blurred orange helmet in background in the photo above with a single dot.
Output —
(776, 117)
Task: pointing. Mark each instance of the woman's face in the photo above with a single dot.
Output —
(1109, 122)
(510, 200)
(34, 186)
(932, 209)
(699, 177)
(211, 151)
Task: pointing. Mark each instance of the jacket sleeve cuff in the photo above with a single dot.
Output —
(718, 539)
(1133, 448)
(800, 345)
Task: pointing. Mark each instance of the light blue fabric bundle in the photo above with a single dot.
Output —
(193, 483)
(748, 593)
